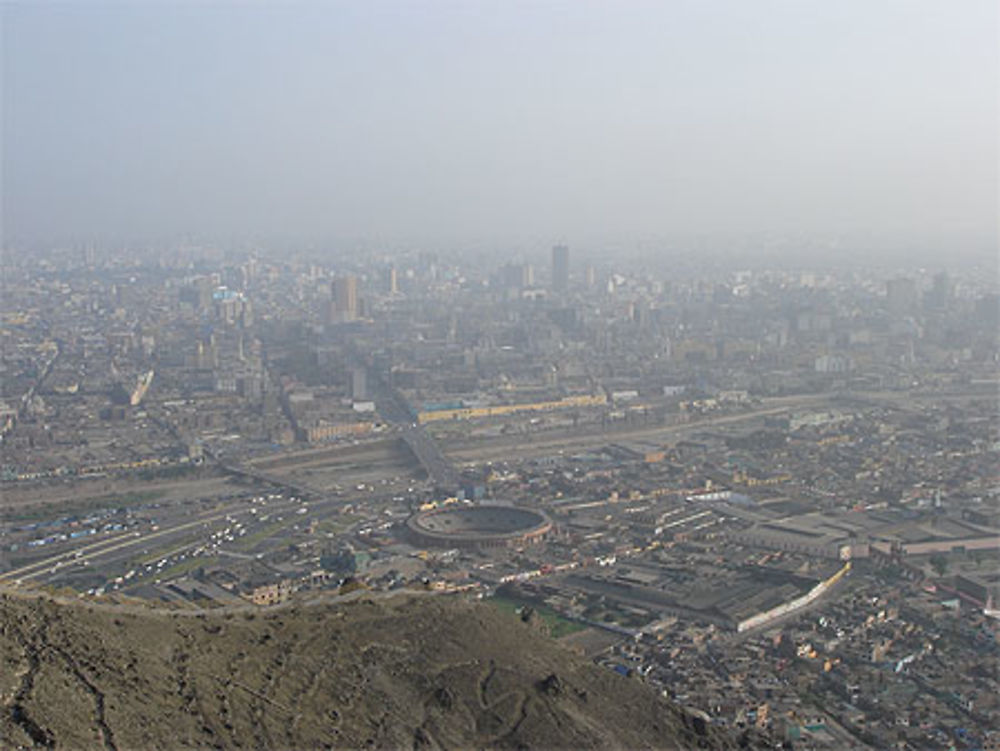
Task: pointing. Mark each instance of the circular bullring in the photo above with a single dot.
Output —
(457, 526)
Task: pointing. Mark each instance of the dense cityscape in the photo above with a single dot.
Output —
(428, 375)
(770, 493)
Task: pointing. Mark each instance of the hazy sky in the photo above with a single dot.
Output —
(494, 119)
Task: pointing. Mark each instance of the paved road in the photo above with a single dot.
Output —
(541, 443)
(428, 453)
(68, 558)
(244, 470)
(394, 410)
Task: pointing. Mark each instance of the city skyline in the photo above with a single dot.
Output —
(535, 374)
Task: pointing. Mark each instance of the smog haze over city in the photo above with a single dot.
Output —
(493, 122)
(515, 375)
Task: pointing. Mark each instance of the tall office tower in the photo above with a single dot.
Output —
(359, 384)
(641, 314)
(528, 275)
(941, 294)
(591, 277)
(516, 276)
(560, 268)
(246, 314)
(204, 292)
(345, 297)
(391, 281)
(510, 276)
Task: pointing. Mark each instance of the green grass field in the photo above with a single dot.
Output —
(252, 540)
(337, 525)
(558, 625)
(186, 567)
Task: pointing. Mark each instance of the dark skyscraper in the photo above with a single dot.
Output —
(941, 294)
(560, 268)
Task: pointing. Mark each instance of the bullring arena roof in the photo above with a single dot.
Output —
(479, 525)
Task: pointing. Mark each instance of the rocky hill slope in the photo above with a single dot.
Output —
(401, 673)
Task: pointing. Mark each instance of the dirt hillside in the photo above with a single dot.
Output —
(404, 673)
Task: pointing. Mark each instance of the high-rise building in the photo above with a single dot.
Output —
(359, 384)
(391, 281)
(516, 276)
(345, 297)
(942, 292)
(560, 268)
(641, 314)
(510, 276)
(528, 275)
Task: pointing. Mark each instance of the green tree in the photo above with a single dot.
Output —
(939, 563)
